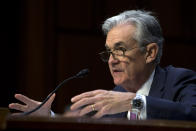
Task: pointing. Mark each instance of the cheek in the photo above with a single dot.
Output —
(135, 69)
(132, 69)
(121, 77)
(129, 71)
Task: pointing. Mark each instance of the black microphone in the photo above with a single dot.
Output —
(80, 74)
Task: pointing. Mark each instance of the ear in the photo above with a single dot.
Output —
(151, 52)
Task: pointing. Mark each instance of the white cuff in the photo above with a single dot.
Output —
(52, 114)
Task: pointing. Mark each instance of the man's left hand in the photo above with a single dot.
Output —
(102, 101)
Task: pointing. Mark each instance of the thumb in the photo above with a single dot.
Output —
(49, 102)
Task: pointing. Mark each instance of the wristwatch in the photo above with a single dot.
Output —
(137, 103)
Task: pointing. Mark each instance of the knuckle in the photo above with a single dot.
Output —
(99, 98)
(99, 91)
(106, 110)
(86, 94)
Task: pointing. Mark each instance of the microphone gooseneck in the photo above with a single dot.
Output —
(80, 74)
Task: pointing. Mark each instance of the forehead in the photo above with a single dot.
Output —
(121, 34)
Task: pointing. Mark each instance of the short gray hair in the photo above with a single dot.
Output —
(148, 29)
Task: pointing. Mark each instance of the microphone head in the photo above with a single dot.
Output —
(82, 73)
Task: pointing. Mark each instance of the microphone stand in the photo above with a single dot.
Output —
(81, 74)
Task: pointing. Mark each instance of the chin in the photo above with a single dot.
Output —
(118, 82)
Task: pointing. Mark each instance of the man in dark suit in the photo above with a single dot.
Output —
(143, 90)
(172, 95)
(133, 51)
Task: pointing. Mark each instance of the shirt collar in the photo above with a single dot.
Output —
(144, 90)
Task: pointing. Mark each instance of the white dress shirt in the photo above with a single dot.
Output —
(143, 92)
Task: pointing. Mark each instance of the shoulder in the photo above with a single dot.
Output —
(176, 76)
(174, 83)
(179, 72)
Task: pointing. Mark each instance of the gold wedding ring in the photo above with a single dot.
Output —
(93, 107)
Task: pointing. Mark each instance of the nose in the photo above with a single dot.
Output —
(112, 60)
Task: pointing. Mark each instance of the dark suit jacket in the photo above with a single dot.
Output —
(172, 95)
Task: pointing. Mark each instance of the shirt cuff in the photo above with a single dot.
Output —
(52, 114)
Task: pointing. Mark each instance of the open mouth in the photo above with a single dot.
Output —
(117, 71)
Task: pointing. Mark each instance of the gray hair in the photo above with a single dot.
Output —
(148, 29)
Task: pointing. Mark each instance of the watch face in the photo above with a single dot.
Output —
(137, 103)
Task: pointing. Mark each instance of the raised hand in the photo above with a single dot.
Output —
(30, 104)
(102, 101)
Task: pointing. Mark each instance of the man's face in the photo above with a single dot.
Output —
(127, 69)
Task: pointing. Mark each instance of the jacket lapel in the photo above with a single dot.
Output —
(158, 84)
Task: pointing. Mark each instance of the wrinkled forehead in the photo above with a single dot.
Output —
(121, 35)
(116, 45)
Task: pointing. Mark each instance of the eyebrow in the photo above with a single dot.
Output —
(118, 44)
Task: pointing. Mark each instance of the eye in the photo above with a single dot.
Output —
(121, 48)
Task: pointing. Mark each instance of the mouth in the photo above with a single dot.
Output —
(116, 71)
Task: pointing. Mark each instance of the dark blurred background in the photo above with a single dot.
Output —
(45, 41)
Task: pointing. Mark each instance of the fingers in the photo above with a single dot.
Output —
(16, 114)
(83, 102)
(81, 96)
(90, 108)
(31, 104)
(86, 110)
(87, 99)
(17, 106)
(99, 114)
(23, 99)
(49, 102)
(86, 94)
(101, 111)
